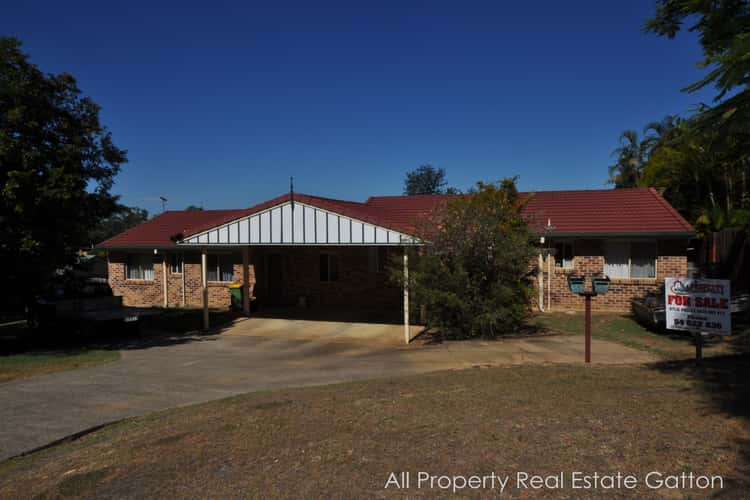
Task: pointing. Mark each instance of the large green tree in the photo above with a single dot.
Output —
(471, 278)
(724, 30)
(57, 164)
(703, 173)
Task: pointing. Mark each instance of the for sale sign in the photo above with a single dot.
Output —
(698, 305)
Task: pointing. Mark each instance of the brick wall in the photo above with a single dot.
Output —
(589, 261)
(150, 293)
(359, 285)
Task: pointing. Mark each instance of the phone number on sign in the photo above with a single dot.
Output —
(693, 323)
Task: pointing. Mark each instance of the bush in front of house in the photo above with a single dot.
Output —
(472, 276)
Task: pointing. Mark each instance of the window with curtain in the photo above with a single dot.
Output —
(626, 259)
(564, 255)
(643, 260)
(220, 268)
(140, 267)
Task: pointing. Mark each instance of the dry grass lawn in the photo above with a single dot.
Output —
(342, 441)
(621, 328)
(13, 366)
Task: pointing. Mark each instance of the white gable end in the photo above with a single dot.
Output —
(300, 224)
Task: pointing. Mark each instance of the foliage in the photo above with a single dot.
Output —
(122, 220)
(701, 163)
(57, 164)
(724, 28)
(471, 279)
(193, 208)
(702, 172)
(626, 172)
(633, 153)
(427, 180)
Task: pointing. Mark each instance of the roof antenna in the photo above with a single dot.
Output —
(291, 191)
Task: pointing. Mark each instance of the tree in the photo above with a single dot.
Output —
(472, 277)
(702, 173)
(193, 208)
(631, 155)
(724, 28)
(57, 165)
(122, 220)
(427, 180)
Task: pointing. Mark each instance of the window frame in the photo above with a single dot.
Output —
(560, 262)
(630, 259)
(217, 267)
(181, 263)
(330, 277)
(144, 258)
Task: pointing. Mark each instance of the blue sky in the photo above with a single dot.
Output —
(218, 103)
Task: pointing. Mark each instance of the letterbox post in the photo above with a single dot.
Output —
(588, 327)
(599, 286)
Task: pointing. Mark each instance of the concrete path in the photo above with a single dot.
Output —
(252, 355)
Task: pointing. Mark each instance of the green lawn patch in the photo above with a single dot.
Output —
(29, 364)
(342, 441)
(622, 328)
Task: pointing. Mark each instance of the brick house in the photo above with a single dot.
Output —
(328, 253)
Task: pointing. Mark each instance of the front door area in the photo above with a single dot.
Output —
(275, 279)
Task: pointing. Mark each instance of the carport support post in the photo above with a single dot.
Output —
(164, 277)
(204, 285)
(245, 281)
(406, 295)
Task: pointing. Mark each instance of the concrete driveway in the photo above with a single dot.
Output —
(251, 355)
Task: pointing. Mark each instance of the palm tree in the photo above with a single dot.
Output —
(631, 155)
(663, 131)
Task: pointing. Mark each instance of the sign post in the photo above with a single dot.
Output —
(700, 306)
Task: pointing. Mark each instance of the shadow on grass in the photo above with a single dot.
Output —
(433, 336)
(724, 382)
(170, 327)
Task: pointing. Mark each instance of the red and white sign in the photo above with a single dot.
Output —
(698, 305)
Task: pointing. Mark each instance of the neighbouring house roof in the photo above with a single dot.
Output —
(581, 213)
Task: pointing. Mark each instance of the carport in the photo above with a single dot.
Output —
(303, 251)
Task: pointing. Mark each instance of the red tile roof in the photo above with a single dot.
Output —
(610, 212)
(159, 231)
(605, 212)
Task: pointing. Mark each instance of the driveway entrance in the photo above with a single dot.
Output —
(251, 355)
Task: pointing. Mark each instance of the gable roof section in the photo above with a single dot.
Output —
(583, 213)
(353, 209)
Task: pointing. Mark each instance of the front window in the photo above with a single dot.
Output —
(140, 267)
(564, 255)
(176, 263)
(220, 268)
(630, 259)
(329, 267)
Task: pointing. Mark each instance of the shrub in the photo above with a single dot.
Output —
(471, 278)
